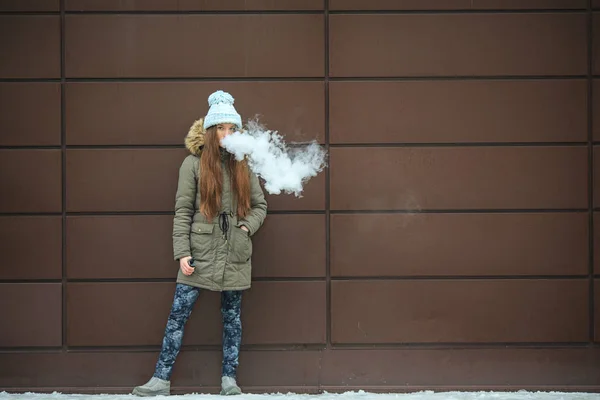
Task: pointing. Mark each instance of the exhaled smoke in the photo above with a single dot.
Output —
(283, 169)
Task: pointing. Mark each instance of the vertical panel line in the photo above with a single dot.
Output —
(590, 169)
(63, 153)
(327, 202)
(327, 183)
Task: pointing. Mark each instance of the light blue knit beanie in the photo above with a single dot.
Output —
(221, 110)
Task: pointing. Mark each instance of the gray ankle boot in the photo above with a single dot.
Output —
(154, 387)
(229, 386)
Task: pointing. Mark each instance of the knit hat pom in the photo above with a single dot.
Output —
(221, 110)
(220, 97)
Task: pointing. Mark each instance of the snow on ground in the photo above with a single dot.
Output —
(360, 395)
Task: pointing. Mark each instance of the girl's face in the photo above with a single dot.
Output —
(224, 130)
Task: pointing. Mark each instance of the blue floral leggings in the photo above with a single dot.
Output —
(183, 303)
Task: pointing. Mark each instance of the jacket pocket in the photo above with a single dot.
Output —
(240, 249)
(201, 240)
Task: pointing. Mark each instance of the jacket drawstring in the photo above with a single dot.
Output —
(224, 224)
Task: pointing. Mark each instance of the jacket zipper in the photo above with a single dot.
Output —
(227, 231)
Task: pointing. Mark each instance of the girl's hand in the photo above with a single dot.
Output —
(243, 227)
(185, 266)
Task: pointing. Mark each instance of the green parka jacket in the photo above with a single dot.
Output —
(222, 259)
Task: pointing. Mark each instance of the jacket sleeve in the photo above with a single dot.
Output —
(258, 204)
(184, 208)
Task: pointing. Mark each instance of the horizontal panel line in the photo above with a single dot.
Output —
(299, 12)
(118, 213)
(284, 346)
(333, 145)
(341, 278)
(31, 214)
(30, 80)
(131, 348)
(29, 13)
(454, 78)
(111, 146)
(463, 345)
(195, 12)
(172, 279)
(203, 347)
(311, 212)
(196, 79)
(124, 146)
(292, 279)
(465, 211)
(31, 349)
(32, 147)
(12, 281)
(295, 212)
(461, 144)
(87, 213)
(297, 79)
(311, 347)
(341, 145)
(146, 213)
(462, 11)
(141, 213)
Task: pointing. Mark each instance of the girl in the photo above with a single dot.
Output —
(219, 206)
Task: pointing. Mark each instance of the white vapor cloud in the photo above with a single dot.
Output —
(283, 169)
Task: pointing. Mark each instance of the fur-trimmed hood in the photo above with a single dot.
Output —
(194, 140)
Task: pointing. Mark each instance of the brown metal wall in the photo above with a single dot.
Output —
(476, 112)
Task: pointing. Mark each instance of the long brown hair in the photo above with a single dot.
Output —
(211, 178)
